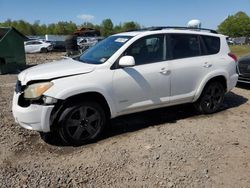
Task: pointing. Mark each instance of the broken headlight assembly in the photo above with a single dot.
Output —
(35, 91)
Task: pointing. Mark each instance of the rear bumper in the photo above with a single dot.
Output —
(34, 117)
(232, 81)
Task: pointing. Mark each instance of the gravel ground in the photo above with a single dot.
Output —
(170, 147)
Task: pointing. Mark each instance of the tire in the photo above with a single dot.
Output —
(44, 50)
(52, 138)
(82, 123)
(211, 99)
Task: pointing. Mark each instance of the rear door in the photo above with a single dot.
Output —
(188, 66)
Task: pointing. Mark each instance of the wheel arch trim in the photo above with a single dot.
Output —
(74, 92)
(209, 77)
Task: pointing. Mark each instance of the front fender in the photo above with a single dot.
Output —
(206, 79)
(59, 91)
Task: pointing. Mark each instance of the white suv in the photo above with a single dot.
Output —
(125, 73)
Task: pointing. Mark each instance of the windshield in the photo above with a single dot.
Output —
(103, 50)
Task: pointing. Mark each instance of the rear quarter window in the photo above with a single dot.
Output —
(212, 44)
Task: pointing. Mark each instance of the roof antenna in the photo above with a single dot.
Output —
(195, 24)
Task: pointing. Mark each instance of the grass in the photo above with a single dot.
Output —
(240, 50)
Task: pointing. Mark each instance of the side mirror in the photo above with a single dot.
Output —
(127, 61)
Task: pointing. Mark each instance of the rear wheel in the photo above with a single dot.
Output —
(82, 123)
(44, 50)
(211, 98)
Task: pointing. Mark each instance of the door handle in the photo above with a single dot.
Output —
(207, 65)
(165, 71)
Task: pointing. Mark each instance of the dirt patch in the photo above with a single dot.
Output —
(38, 58)
(170, 147)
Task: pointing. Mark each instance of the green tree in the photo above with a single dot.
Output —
(128, 26)
(236, 25)
(43, 29)
(107, 27)
(36, 28)
(70, 27)
(118, 28)
(51, 29)
(65, 28)
(87, 24)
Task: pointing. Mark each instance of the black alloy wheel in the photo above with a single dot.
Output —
(211, 98)
(82, 123)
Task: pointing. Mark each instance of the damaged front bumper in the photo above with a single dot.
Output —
(34, 116)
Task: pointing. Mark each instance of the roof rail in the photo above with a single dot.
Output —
(177, 27)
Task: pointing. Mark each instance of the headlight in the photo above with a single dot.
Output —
(34, 91)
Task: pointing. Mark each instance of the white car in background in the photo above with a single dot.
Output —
(36, 46)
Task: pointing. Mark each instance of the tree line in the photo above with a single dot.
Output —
(66, 28)
(236, 25)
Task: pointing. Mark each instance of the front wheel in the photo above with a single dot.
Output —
(81, 123)
(211, 98)
(44, 50)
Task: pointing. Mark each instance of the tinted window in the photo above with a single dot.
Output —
(36, 42)
(184, 45)
(212, 44)
(147, 50)
(33, 42)
(28, 43)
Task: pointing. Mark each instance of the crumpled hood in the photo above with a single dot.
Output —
(56, 69)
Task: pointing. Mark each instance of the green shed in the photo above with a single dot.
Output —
(12, 55)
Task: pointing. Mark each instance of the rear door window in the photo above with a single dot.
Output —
(184, 45)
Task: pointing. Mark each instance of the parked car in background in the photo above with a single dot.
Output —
(87, 42)
(36, 46)
(243, 68)
(58, 46)
(241, 40)
(230, 41)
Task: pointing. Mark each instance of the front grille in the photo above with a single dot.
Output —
(245, 79)
(244, 68)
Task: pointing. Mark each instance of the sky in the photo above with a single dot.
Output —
(147, 13)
